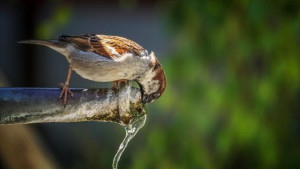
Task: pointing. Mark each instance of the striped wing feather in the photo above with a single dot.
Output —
(104, 45)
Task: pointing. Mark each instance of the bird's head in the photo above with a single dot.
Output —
(153, 82)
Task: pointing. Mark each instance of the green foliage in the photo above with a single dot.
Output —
(233, 87)
(47, 29)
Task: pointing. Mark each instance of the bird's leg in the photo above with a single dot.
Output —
(117, 82)
(65, 91)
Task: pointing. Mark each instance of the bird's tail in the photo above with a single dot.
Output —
(53, 43)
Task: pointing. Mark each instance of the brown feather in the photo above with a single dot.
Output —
(102, 44)
(161, 77)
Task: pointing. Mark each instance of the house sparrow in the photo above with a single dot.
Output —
(105, 58)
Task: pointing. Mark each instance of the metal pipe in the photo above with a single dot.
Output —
(41, 105)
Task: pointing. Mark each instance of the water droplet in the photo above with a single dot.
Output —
(131, 130)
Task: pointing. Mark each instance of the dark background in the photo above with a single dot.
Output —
(232, 99)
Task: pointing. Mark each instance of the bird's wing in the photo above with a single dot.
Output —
(108, 46)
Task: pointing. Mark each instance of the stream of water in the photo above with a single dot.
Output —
(131, 130)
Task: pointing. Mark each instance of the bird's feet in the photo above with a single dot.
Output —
(64, 93)
(116, 84)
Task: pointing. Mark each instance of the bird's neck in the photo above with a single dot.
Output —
(152, 83)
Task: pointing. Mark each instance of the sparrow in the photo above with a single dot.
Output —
(107, 58)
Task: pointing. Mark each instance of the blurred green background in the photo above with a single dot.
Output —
(232, 99)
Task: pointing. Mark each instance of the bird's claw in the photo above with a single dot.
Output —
(116, 84)
(64, 93)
